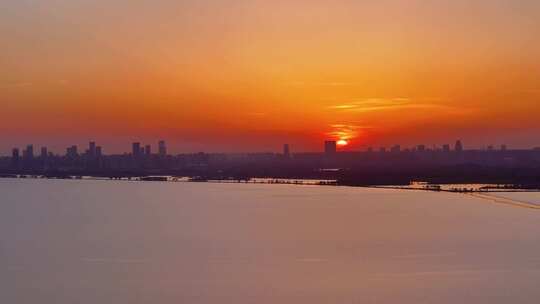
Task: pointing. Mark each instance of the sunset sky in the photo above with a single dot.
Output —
(250, 75)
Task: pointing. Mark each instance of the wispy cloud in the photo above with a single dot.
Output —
(346, 131)
(388, 104)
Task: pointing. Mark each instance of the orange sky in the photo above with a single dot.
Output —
(230, 75)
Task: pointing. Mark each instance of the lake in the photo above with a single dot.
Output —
(70, 241)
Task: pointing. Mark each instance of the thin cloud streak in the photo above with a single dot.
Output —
(382, 104)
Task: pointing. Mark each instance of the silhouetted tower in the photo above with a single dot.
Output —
(421, 148)
(446, 148)
(28, 154)
(71, 152)
(99, 151)
(504, 148)
(44, 153)
(459, 146)
(147, 150)
(330, 147)
(162, 148)
(286, 151)
(15, 158)
(92, 149)
(135, 149)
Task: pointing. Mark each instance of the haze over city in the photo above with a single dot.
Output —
(241, 76)
(269, 151)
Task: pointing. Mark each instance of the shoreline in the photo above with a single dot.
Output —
(451, 188)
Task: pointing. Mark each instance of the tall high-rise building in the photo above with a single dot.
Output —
(15, 153)
(446, 148)
(330, 147)
(135, 149)
(99, 151)
(44, 152)
(286, 151)
(92, 149)
(28, 153)
(72, 152)
(15, 157)
(162, 148)
(147, 150)
(459, 146)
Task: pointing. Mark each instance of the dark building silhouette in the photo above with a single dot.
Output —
(72, 152)
(286, 151)
(459, 146)
(92, 149)
(421, 148)
(44, 152)
(136, 149)
(396, 149)
(147, 150)
(28, 153)
(99, 151)
(15, 158)
(330, 147)
(446, 148)
(162, 148)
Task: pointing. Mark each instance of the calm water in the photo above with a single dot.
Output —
(133, 242)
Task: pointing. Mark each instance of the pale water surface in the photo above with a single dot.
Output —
(132, 242)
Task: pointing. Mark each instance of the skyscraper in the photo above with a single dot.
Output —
(446, 148)
(147, 150)
(92, 149)
(28, 153)
(71, 152)
(286, 151)
(15, 157)
(330, 147)
(99, 151)
(44, 152)
(162, 148)
(135, 149)
(459, 146)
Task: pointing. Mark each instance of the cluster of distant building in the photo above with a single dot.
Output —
(92, 152)
(92, 158)
(142, 157)
(330, 148)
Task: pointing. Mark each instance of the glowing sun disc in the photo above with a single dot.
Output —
(342, 142)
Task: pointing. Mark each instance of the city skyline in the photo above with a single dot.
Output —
(329, 147)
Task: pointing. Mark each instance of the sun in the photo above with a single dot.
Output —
(342, 142)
